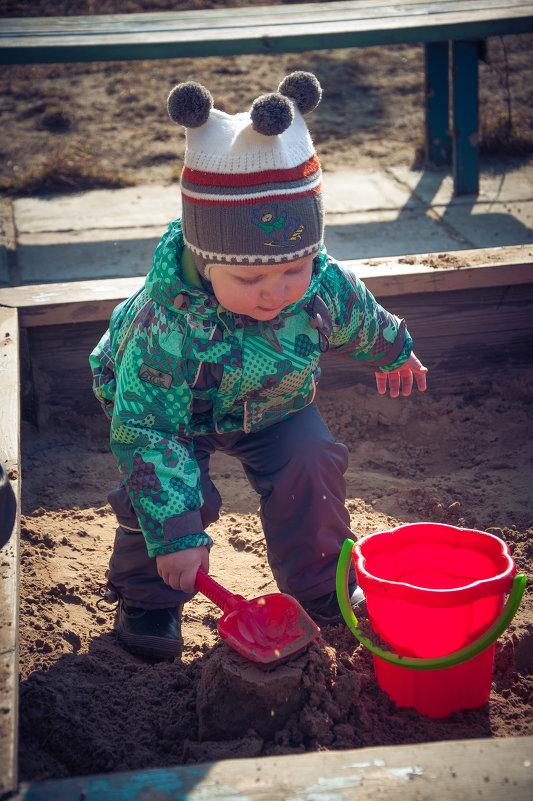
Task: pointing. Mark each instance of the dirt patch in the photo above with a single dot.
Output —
(87, 706)
(100, 124)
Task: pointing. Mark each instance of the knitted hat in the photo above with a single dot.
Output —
(251, 182)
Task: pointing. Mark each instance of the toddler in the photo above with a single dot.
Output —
(220, 350)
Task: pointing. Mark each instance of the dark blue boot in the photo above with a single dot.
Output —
(325, 610)
(152, 633)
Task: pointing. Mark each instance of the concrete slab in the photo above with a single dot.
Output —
(436, 186)
(500, 215)
(4, 267)
(7, 241)
(135, 207)
(500, 225)
(349, 191)
(389, 233)
(41, 261)
(393, 212)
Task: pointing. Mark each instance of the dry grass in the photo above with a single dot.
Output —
(505, 135)
(69, 168)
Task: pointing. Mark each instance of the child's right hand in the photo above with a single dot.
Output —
(403, 377)
(179, 569)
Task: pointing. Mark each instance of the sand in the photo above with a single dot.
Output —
(87, 706)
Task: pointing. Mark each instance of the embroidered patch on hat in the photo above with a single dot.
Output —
(278, 225)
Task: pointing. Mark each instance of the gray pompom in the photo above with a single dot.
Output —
(190, 104)
(303, 88)
(271, 114)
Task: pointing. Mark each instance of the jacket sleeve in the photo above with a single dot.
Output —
(103, 371)
(361, 328)
(141, 387)
(160, 472)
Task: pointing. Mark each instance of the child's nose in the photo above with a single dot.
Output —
(276, 289)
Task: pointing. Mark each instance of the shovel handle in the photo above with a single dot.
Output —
(216, 593)
(421, 663)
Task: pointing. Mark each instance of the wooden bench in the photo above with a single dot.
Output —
(441, 25)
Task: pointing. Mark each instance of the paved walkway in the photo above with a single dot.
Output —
(391, 212)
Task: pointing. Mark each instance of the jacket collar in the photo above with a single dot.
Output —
(169, 280)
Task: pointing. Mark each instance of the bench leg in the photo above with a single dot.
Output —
(465, 117)
(437, 135)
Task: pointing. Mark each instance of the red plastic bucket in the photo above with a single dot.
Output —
(430, 590)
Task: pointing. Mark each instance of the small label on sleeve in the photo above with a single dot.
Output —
(155, 377)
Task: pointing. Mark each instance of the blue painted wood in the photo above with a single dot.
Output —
(257, 29)
(177, 784)
(436, 91)
(465, 117)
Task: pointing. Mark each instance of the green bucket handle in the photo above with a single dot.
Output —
(419, 663)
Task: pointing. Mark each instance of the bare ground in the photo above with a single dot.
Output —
(110, 120)
(87, 706)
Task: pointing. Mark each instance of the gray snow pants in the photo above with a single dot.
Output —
(297, 469)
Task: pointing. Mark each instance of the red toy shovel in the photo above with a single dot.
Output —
(267, 629)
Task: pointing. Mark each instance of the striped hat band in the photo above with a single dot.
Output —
(217, 189)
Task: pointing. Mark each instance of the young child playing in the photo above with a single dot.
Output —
(220, 350)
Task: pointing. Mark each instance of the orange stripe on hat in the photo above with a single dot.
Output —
(204, 178)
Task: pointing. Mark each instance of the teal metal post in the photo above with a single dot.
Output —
(465, 117)
(437, 134)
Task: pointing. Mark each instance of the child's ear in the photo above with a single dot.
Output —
(190, 104)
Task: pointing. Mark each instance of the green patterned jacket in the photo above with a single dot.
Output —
(175, 364)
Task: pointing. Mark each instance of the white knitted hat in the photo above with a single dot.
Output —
(251, 182)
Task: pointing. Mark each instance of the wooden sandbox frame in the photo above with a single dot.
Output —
(471, 317)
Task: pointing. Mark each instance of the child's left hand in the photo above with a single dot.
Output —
(403, 377)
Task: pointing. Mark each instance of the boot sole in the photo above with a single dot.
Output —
(154, 647)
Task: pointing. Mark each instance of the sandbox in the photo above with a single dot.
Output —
(459, 453)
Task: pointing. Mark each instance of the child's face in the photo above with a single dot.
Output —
(260, 292)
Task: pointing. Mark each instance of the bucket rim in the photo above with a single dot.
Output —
(493, 585)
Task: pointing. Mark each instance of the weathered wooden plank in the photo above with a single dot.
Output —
(445, 272)
(434, 771)
(463, 318)
(276, 29)
(457, 333)
(246, 16)
(84, 301)
(9, 554)
(60, 373)
(68, 302)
